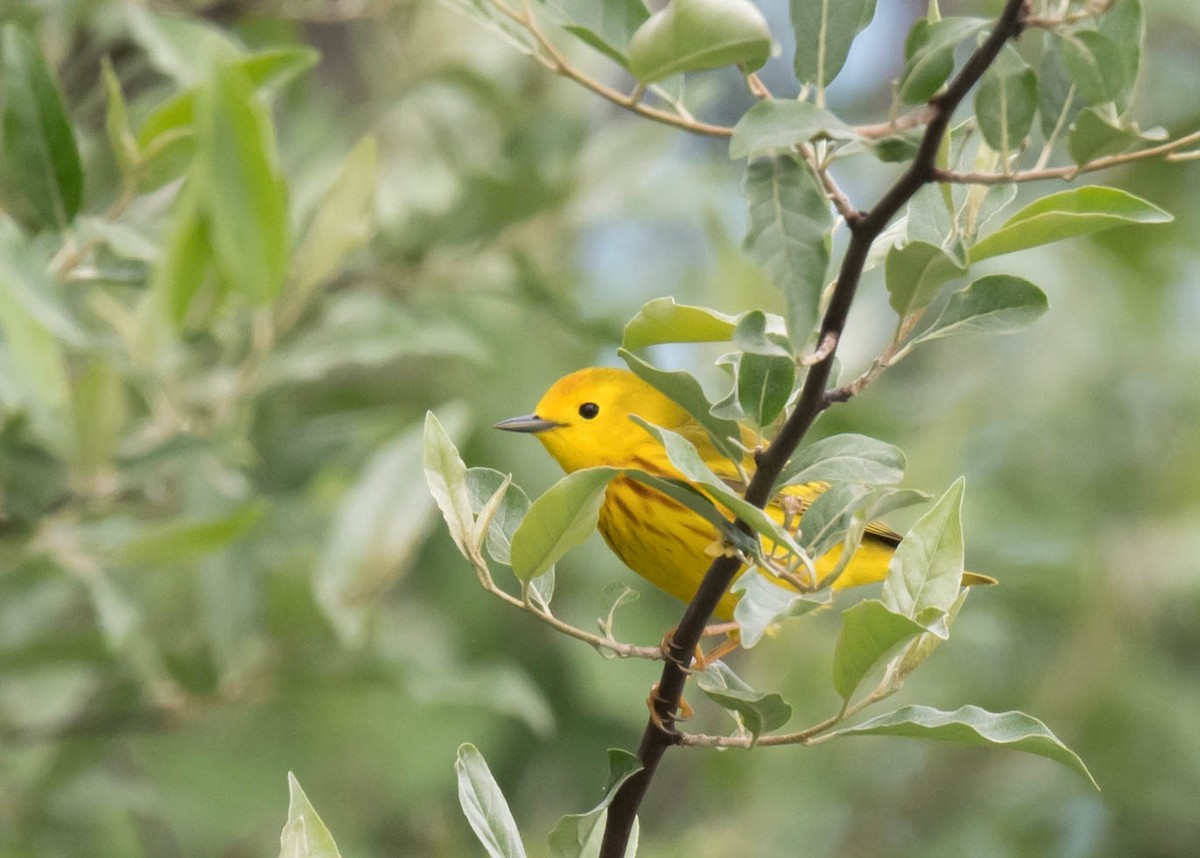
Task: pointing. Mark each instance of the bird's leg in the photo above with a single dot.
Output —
(699, 660)
(653, 699)
(724, 648)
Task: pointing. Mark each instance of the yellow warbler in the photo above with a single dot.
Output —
(584, 422)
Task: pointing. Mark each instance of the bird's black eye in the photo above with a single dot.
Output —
(589, 410)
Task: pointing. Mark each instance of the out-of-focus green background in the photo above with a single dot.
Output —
(229, 567)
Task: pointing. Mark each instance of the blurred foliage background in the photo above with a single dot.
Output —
(219, 561)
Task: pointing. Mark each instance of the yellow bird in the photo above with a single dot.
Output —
(584, 422)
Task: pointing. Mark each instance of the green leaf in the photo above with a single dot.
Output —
(304, 835)
(782, 124)
(242, 186)
(183, 47)
(1124, 23)
(1095, 135)
(342, 222)
(845, 458)
(789, 220)
(824, 31)
(1097, 66)
(930, 218)
(116, 122)
(687, 459)
(925, 573)
(915, 273)
(606, 25)
(100, 409)
(559, 520)
(683, 389)
(869, 631)
(1006, 101)
(664, 321)
(36, 354)
(38, 143)
(971, 725)
(484, 805)
(692, 35)
(758, 333)
(995, 304)
(1067, 214)
(929, 55)
(447, 478)
(186, 540)
(1056, 90)
(759, 712)
(579, 835)
(187, 263)
(764, 385)
(166, 135)
(380, 524)
(762, 603)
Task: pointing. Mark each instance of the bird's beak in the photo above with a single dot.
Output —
(526, 423)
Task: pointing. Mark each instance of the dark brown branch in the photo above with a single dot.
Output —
(660, 733)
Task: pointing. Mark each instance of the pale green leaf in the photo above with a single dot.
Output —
(758, 712)
(845, 458)
(824, 523)
(484, 805)
(925, 573)
(304, 835)
(447, 478)
(971, 725)
(762, 603)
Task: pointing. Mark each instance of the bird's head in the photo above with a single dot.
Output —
(584, 419)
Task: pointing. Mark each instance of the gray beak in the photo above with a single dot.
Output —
(526, 423)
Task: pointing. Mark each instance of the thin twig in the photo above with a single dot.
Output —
(1066, 173)
(618, 648)
(660, 731)
(554, 60)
